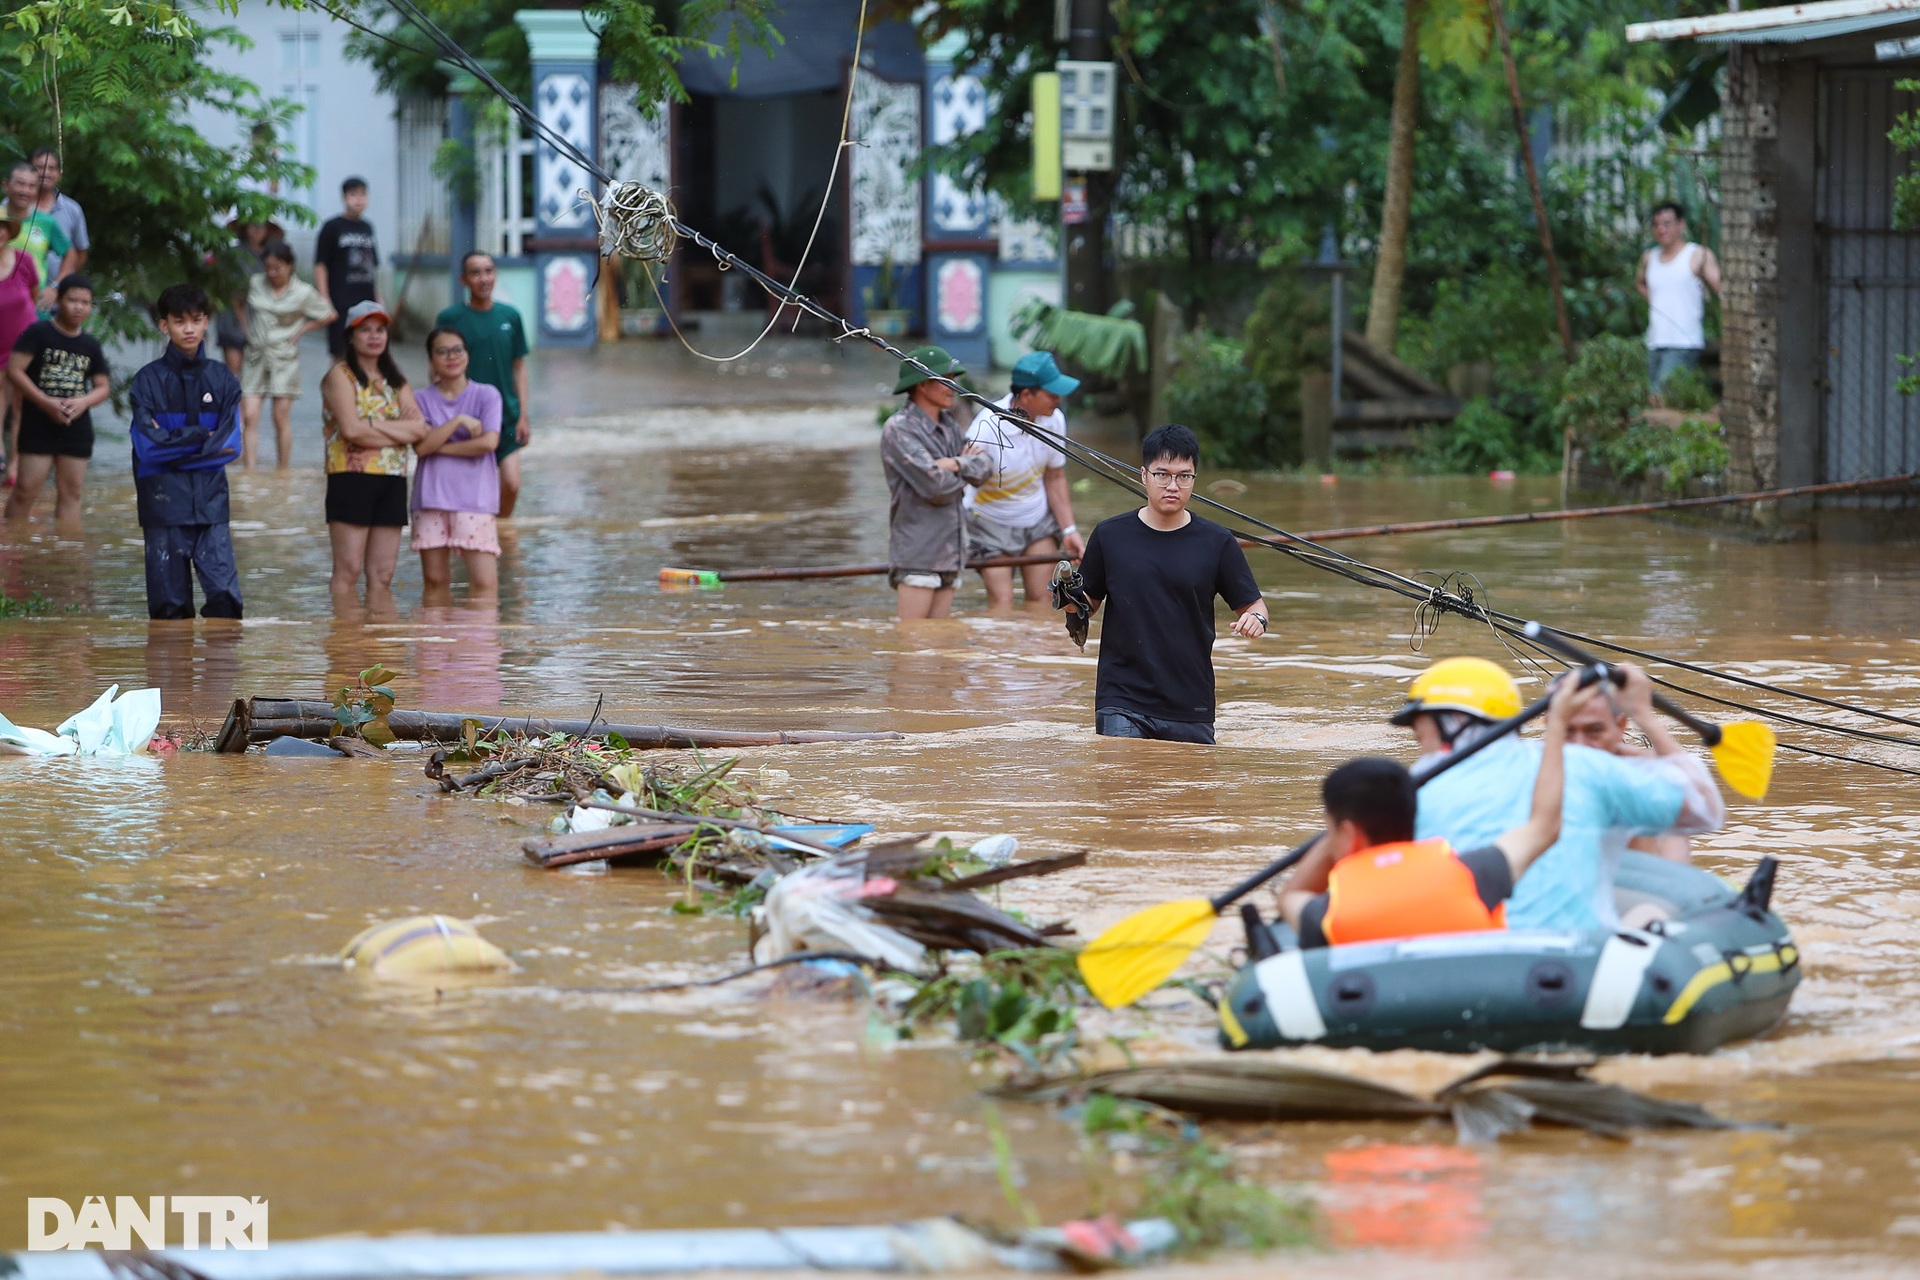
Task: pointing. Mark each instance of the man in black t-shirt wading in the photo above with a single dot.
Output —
(346, 262)
(1157, 571)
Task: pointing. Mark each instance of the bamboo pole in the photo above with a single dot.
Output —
(1379, 530)
(1624, 509)
(260, 720)
(706, 577)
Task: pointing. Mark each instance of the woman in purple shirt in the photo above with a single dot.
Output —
(456, 492)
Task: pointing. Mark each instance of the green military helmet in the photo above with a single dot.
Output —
(934, 358)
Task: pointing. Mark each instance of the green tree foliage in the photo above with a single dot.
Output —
(1224, 162)
(1498, 329)
(1605, 391)
(1112, 345)
(1210, 150)
(1213, 392)
(645, 42)
(123, 91)
(1696, 447)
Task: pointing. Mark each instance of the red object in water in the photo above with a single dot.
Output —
(1329, 479)
(163, 745)
(1417, 1197)
(1099, 1238)
(1499, 475)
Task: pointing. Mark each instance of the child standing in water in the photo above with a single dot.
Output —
(456, 493)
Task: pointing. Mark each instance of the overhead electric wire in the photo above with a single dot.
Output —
(1835, 755)
(1432, 597)
(1729, 677)
(378, 34)
(1841, 730)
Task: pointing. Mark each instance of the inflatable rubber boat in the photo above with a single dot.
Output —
(1708, 966)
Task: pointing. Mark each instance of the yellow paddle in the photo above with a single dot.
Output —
(1742, 749)
(1142, 951)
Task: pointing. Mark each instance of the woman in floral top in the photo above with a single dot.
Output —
(370, 419)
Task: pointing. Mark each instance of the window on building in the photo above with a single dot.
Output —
(300, 84)
(299, 51)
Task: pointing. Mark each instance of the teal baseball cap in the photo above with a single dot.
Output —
(1037, 369)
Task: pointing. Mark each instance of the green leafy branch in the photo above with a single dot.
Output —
(1905, 136)
(361, 709)
(1110, 345)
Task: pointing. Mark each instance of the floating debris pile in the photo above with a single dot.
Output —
(1501, 1098)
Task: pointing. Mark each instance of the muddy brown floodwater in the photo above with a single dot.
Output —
(169, 1023)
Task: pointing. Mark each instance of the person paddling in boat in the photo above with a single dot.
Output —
(1609, 800)
(1368, 879)
(1602, 725)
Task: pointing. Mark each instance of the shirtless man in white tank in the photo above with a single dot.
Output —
(1674, 279)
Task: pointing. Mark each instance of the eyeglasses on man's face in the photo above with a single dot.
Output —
(1162, 477)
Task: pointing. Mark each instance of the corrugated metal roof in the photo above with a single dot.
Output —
(1805, 31)
(1781, 24)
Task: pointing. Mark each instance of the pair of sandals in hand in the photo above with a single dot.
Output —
(1070, 594)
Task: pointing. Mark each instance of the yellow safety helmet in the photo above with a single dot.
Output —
(421, 946)
(1473, 685)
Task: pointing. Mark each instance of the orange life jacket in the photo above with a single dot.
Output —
(1403, 890)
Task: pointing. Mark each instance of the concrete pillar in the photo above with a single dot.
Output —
(1316, 420)
(464, 219)
(1750, 294)
(1801, 360)
(565, 54)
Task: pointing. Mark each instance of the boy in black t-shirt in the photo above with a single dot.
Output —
(346, 262)
(60, 373)
(1157, 570)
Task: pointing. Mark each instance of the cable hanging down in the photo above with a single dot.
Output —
(637, 222)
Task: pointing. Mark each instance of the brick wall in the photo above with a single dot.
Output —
(1749, 263)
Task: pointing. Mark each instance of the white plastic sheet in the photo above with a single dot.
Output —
(117, 724)
(817, 908)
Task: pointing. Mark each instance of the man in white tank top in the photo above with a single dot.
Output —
(1674, 279)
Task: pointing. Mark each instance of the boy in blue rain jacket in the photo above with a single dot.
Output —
(186, 429)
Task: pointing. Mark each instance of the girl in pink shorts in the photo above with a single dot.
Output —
(456, 492)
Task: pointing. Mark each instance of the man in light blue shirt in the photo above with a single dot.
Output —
(1609, 800)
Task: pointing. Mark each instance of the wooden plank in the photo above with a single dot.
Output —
(1403, 409)
(1364, 383)
(1017, 870)
(1356, 348)
(592, 846)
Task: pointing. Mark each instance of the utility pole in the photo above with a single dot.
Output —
(1086, 240)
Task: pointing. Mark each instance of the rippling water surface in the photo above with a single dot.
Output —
(169, 1024)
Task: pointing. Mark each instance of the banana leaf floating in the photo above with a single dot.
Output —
(1504, 1097)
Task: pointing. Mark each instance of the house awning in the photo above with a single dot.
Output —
(1783, 24)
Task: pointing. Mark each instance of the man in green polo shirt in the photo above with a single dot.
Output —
(43, 239)
(497, 355)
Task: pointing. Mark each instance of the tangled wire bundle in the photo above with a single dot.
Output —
(635, 222)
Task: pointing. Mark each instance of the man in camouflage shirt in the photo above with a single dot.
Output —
(929, 466)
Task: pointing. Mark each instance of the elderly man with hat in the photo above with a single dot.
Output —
(929, 465)
(1022, 508)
